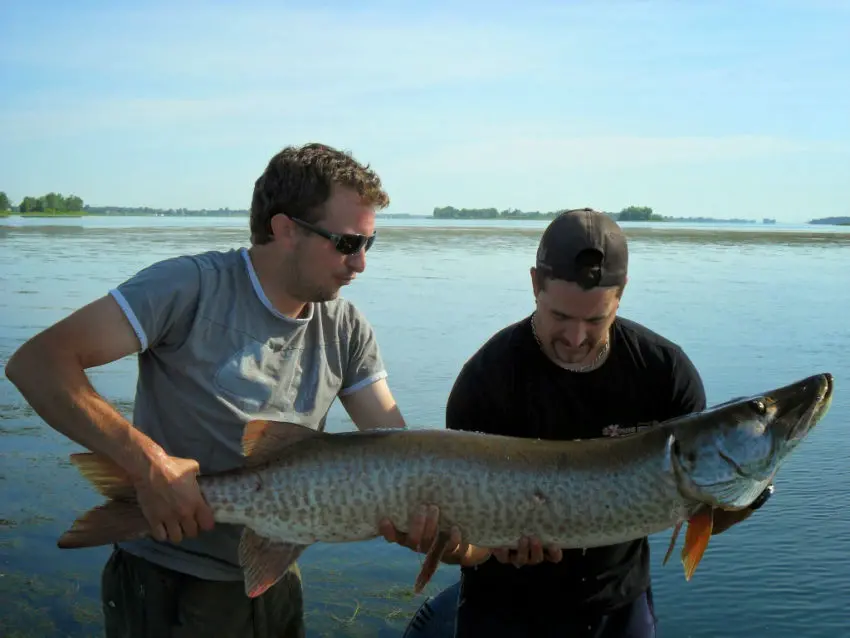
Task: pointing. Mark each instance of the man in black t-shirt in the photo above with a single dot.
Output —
(572, 369)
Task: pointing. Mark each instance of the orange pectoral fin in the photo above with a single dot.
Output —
(696, 539)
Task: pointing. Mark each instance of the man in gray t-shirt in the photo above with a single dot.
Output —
(221, 338)
(215, 353)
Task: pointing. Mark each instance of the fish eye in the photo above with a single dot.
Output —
(759, 406)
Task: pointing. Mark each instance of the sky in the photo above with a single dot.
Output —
(704, 108)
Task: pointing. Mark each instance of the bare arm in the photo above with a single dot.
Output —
(49, 371)
(373, 407)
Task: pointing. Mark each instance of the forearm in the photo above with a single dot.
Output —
(66, 400)
(373, 407)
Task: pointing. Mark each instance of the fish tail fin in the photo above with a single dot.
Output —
(696, 539)
(106, 477)
(112, 522)
(119, 519)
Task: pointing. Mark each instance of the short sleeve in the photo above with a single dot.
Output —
(688, 390)
(160, 301)
(365, 364)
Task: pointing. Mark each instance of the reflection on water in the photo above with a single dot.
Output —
(753, 307)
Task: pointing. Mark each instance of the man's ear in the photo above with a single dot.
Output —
(622, 288)
(535, 287)
(283, 230)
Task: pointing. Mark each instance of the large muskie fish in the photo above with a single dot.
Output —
(299, 486)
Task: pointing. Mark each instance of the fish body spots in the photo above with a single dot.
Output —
(331, 495)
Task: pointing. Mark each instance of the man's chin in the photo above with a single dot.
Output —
(571, 358)
(326, 295)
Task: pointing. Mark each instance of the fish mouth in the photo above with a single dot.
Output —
(791, 412)
(797, 407)
(825, 400)
(815, 393)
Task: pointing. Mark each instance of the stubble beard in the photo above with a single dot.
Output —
(304, 290)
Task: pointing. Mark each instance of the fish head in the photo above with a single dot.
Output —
(727, 455)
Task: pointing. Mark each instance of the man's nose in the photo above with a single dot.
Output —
(573, 333)
(357, 261)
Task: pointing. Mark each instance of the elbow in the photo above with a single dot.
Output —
(29, 357)
(14, 366)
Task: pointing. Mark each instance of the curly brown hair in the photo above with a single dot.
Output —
(298, 181)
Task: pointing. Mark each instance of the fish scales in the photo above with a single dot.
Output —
(493, 488)
(298, 486)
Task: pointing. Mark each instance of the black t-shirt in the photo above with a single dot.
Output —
(510, 387)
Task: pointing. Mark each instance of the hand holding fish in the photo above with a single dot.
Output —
(423, 536)
(171, 500)
(422, 530)
(529, 551)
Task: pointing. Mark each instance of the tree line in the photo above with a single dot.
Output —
(49, 203)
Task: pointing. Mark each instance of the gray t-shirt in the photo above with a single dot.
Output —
(216, 354)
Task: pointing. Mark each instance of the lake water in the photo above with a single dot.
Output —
(754, 306)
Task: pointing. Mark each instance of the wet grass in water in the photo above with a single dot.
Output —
(67, 604)
(47, 592)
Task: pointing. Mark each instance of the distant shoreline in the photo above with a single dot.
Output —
(830, 221)
(51, 214)
(56, 205)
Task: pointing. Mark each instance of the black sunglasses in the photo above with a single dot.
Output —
(347, 244)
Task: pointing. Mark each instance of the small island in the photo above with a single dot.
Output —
(49, 205)
(57, 205)
(832, 221)
(5, 205)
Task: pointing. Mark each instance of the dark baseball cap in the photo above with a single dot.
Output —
(586, 247)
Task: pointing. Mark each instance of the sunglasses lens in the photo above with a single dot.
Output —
(348, 244)
(351, 244)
